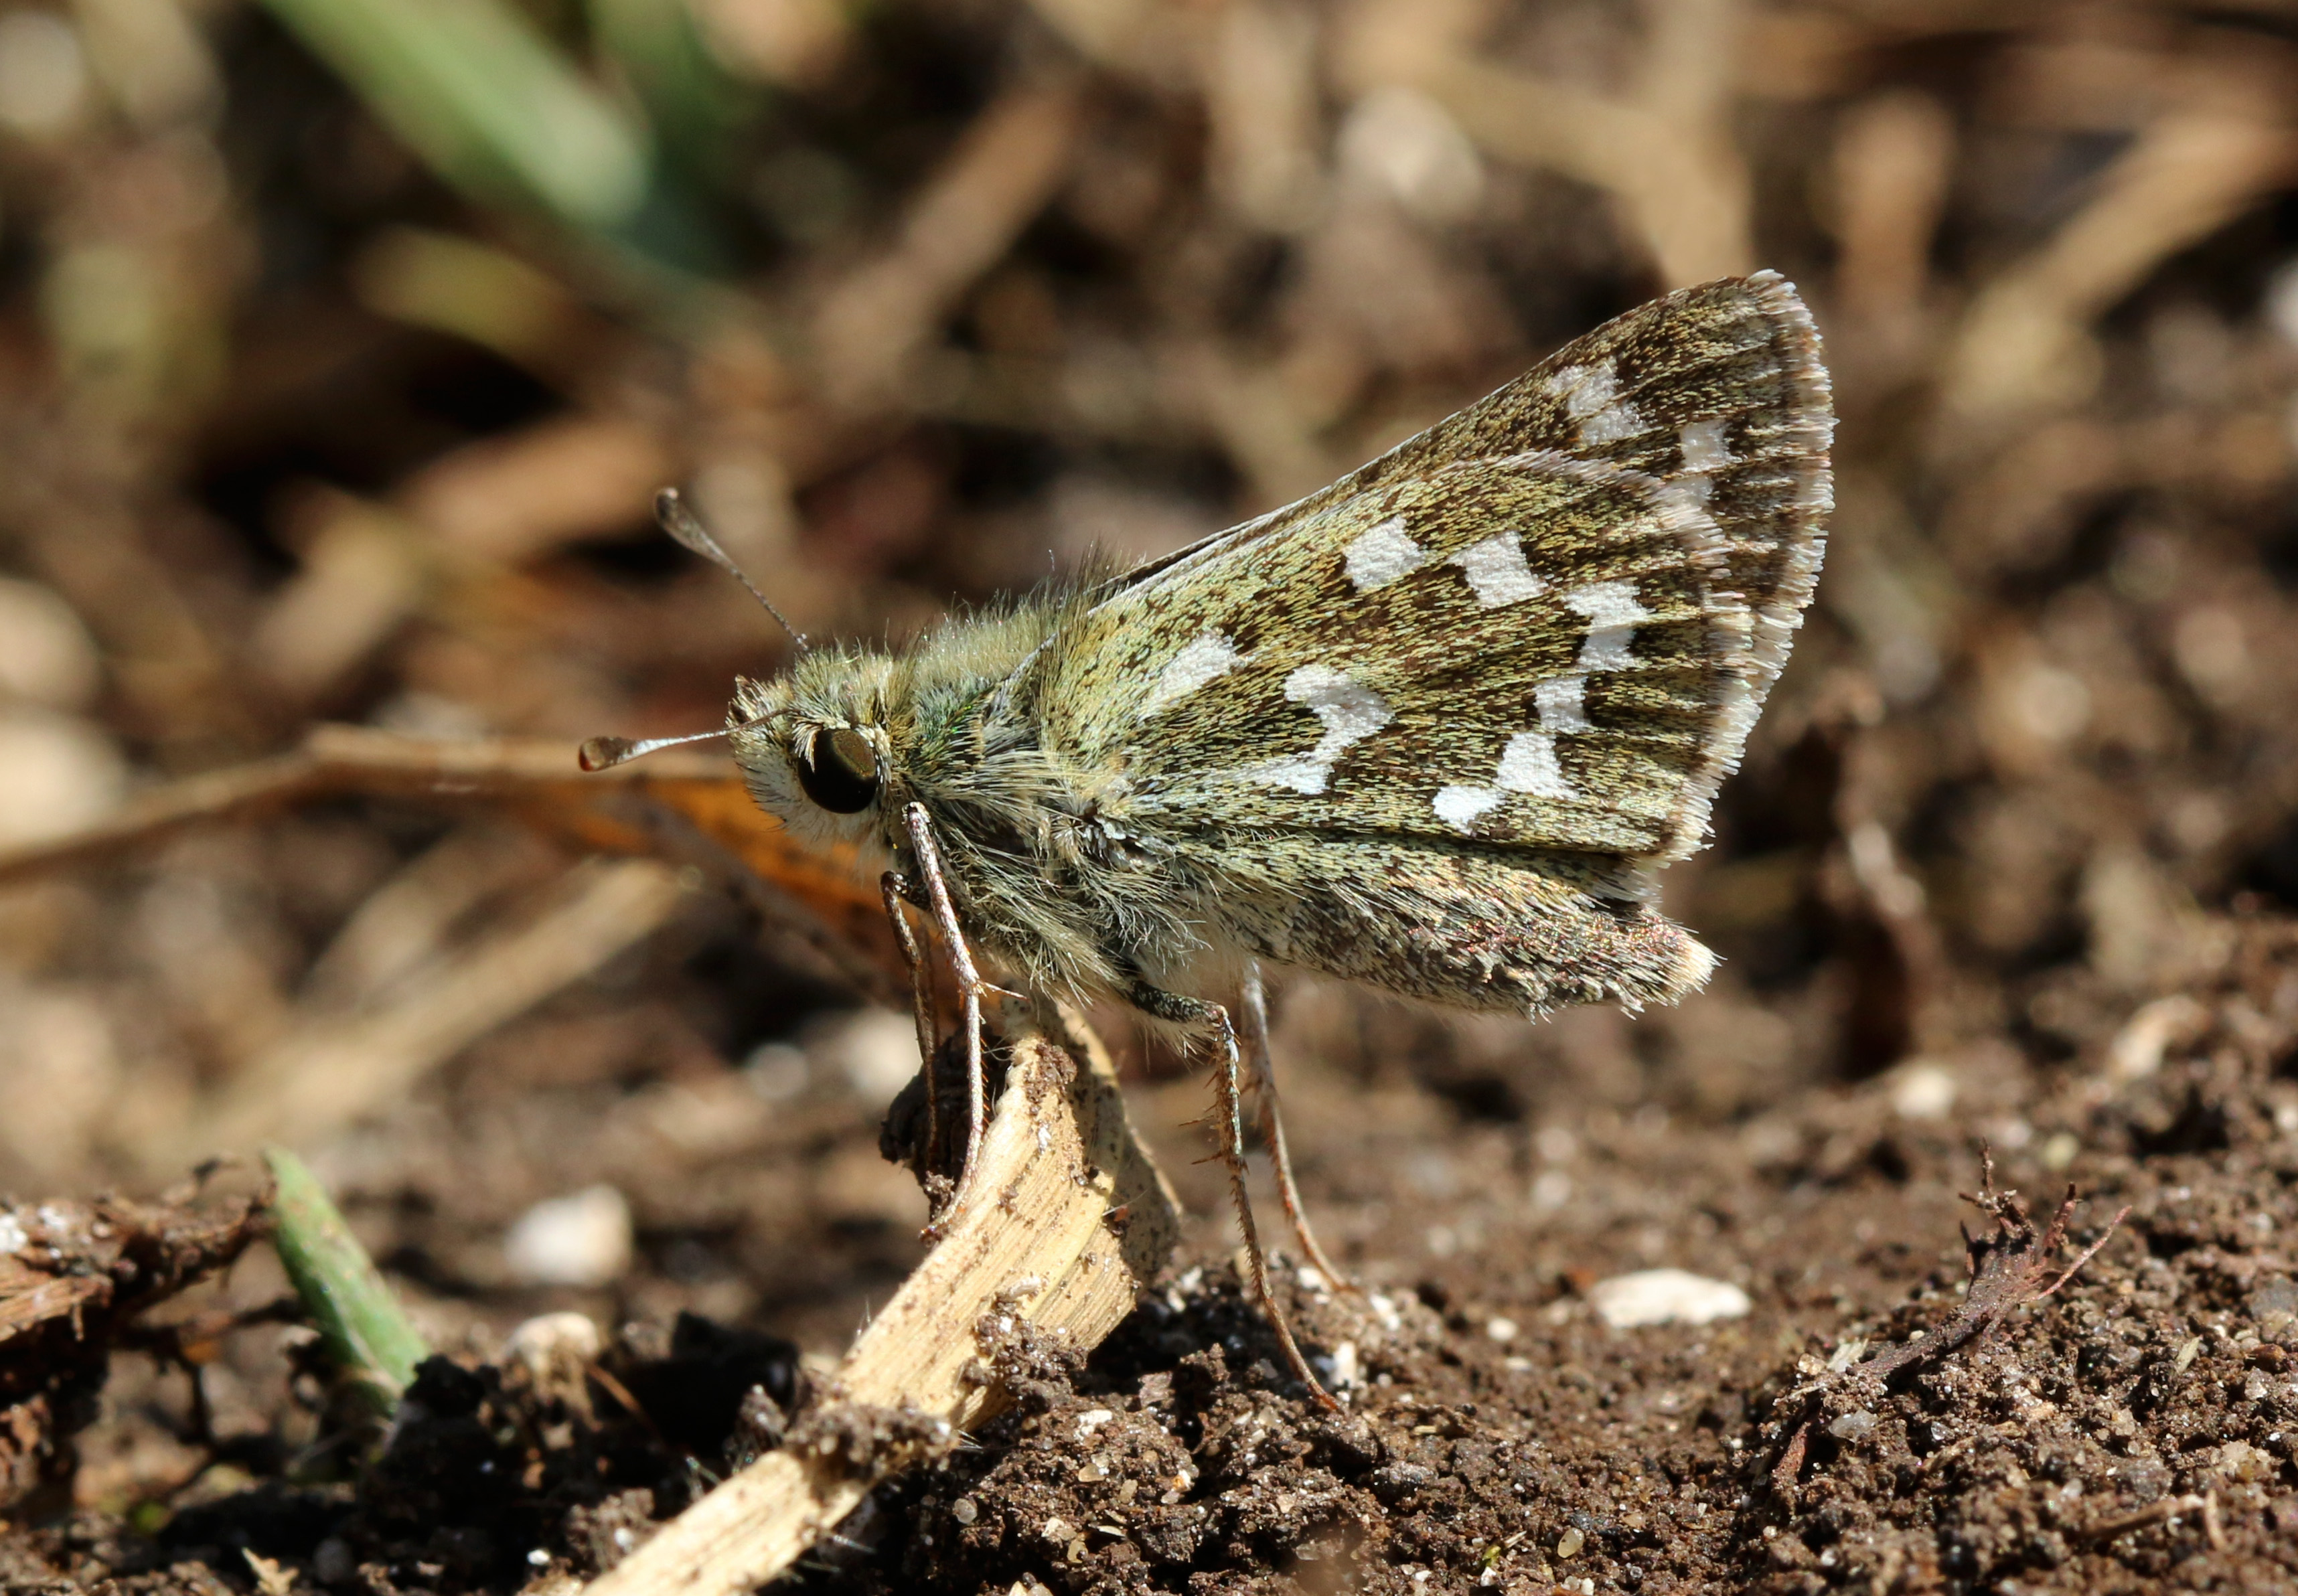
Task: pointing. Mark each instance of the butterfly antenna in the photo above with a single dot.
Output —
(605, 753)
(682, 525)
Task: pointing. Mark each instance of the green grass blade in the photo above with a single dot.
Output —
(366, 1330)
(486, 101)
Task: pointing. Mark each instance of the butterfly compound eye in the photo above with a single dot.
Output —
(839, 771)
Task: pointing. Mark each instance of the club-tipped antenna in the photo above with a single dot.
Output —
(605, 753)
(682, 525)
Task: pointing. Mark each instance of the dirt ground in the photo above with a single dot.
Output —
(303, 426)
(2132, 1431)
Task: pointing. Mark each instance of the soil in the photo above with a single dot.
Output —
(2134, 1428)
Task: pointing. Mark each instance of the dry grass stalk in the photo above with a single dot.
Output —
(1049, 1249)
(2025, 343)
(335, 1067)
(961, 223)
(636, 810)
(1664, 150)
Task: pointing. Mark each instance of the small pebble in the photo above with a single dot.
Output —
(875, 1050)
(57, 774)
(555, 1351)
(331, 1563)
(1852, 1427)
(1921, 1091)
(1665, 1296)
(548, 1339)
(47, 656)
(582, 1239)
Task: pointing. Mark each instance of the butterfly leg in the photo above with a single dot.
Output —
(1272, 1123)
(1197, 1012)
(895, 888)
(970, 984)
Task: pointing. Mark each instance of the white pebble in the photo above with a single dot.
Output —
(1921, 1091)
(549, 1342)
(582, 1239)
(57, 774)
(47, 656)
(1665, 1297)
(876, 1051)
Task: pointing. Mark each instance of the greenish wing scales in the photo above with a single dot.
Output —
(1547, 622)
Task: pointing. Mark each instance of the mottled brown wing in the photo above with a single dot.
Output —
(1548, 622)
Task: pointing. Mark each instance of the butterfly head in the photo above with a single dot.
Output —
(814, 749)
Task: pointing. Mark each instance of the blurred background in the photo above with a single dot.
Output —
(342, 344)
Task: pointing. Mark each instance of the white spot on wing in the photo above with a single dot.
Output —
(1528, 764)
(1459, 806)
(1496, 572)
(1208, 656)
(1350, 711)
(1591, 397)
(1382, 555)
(1563, 703)
(1613, 616)
(1704, 449)
(1585, 389)
(1616, 420)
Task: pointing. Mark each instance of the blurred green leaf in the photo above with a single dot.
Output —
(692, 103)
(355, 1312)
(488, 102)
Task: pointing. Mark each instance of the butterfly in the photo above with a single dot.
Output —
(1433, 730)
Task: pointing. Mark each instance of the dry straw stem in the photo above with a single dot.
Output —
(448, 539)
(1664, 150)
(688, 805)
(2025, 343)
(962, 222)
(336, 1068)
(1059, 1164)
(358, 1045)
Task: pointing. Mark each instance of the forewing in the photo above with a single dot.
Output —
(1548, 622)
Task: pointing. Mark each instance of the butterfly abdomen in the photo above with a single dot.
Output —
(1462, 927)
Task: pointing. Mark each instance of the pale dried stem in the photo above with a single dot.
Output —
(2025, 342)
(961, 222)
(1665, 149)
(1081, 1221)
(336, 1068)
(335, 760)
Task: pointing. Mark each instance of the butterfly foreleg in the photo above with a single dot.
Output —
(1255, 1013)
(972, 988)
(1200, 1016)
(894, 887)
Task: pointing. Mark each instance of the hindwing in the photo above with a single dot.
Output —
(1548, 622)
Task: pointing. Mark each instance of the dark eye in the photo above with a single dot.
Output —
(841, 771)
